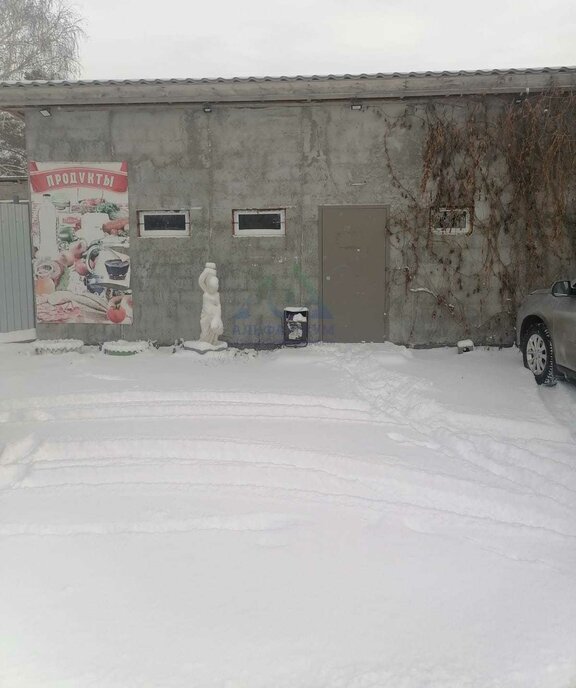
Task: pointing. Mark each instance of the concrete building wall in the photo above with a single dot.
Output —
(12, 189)
(294, 156)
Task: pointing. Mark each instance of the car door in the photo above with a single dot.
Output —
(564, 330)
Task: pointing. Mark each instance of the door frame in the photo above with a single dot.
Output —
(378, 206)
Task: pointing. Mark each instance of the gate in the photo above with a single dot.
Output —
(16, 284)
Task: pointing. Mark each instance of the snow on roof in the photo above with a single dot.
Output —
(18, 95)
(313, 77)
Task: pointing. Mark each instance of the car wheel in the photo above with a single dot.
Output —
(539, 354)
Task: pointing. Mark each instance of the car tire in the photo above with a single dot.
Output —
(538, 354)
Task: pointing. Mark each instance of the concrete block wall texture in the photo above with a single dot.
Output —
(13, 189)
(297, 156)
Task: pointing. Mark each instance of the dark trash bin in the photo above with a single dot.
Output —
(295, 326)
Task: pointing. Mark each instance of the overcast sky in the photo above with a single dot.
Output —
(189, 38)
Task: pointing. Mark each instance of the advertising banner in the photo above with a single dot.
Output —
(80, 242)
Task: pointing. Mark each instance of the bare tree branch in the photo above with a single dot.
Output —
(39, 39)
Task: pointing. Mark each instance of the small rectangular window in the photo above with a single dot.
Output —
(262, 223)
(450, 221)
(164, 223)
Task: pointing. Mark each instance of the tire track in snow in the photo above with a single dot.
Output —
(223, 459)
(393, 395)
(374, 504)
(205, 397)
(374, 407)
(374, 465)
(486, 455)
(109, 451)
(252, 523)
(104, 452)
(117, 411)
(122, 411)
(501, 453)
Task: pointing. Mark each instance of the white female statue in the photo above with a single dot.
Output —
(211, 326)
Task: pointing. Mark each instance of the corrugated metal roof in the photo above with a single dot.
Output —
(264, 79)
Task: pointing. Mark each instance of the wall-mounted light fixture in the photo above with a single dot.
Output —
(207, 107)
(45, 112)
(356, 105)
(522, 97)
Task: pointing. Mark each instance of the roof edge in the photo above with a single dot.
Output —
(22, 94)
(295, 78)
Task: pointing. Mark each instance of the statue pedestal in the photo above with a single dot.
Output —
(203, 347)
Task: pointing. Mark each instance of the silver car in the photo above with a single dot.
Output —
(546, 332)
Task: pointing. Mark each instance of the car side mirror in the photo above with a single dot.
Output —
(562, 288)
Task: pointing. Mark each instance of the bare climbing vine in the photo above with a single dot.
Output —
(512, 162)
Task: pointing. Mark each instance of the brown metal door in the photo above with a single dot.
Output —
(353, 273)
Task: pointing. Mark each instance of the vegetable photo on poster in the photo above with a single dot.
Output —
(80, 242)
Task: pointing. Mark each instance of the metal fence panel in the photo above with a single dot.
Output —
(16, 285)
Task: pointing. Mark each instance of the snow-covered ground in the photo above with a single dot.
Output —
(333, 517)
